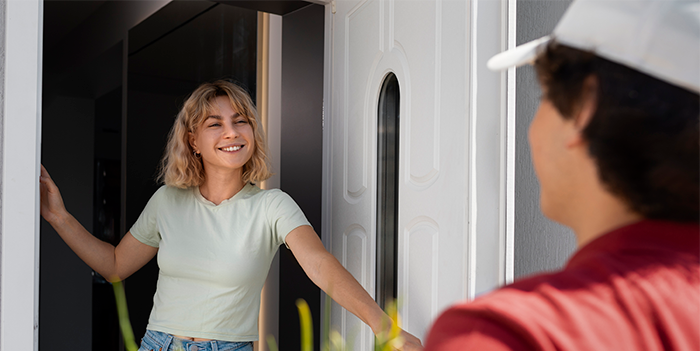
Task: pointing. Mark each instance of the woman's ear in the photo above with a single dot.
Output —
(193, 143)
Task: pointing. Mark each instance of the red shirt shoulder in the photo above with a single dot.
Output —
(507, 319)
(456, 330)
(628, 291)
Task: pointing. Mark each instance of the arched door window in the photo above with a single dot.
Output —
(387, 190)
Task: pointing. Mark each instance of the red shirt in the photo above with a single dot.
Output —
(635, 288)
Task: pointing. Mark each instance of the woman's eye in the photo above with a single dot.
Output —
(214, 125)
(242, 121)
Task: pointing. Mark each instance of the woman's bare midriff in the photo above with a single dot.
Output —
(191, 339)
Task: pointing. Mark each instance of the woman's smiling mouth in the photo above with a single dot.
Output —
(232, 148)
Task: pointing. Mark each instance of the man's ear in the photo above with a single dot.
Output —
(586, 108)
(588, 103)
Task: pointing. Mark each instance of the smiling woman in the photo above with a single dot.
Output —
(216, 115)
(224, 140)
(215, 233)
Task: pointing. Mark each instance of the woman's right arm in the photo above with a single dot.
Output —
(112, 263)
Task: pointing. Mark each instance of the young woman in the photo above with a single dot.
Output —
(215, 232)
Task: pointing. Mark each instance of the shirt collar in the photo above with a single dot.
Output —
(642, 236)
(198, 195)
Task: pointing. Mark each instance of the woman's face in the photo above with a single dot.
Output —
(225, 139)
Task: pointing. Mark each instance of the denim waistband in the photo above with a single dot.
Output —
(159, 341)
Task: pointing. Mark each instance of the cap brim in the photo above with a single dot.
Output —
(518, 56)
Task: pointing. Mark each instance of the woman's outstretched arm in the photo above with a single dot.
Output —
(326, 272)
(112, 263)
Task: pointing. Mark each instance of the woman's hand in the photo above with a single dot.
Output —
(52, 208)
(411, 343)
(112, 263)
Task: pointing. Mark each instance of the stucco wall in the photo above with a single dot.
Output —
(540, 244)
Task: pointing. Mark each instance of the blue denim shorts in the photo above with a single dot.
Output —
(159, 341)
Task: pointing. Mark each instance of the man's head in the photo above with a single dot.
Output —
(643, 133)
(622, 79)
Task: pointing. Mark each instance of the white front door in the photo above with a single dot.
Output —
(426, 45)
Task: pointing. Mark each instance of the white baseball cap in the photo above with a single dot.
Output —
(658, 37)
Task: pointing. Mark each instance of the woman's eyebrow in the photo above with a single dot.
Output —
(235, 115)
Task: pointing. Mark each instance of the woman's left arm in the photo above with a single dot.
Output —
(329, 275)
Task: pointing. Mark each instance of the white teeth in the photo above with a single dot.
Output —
(232, 148)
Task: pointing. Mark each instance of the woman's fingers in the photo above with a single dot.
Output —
(410, 337)
(45, 177)
(46, 180)
(412, 347)
(51, 202)
(412, 343)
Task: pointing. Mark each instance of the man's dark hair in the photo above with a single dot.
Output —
(644, 135)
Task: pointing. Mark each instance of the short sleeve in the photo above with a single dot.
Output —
(145, 229)
(284, 215)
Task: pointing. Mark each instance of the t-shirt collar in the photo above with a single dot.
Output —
(198, 195)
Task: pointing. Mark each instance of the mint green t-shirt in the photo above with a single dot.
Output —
(213, 259)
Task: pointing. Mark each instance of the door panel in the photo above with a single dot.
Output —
(370, 39)
(420, 273)
(361, 25)
(419, 37)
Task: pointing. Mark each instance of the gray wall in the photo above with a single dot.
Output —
(540, 244)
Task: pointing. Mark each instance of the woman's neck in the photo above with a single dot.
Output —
(218, 187)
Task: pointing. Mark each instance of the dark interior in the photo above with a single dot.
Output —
(115, 74)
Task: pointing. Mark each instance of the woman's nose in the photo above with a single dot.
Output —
(230, 131)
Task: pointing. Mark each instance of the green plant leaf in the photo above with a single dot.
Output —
(123, 313)
(337, 341)
(271, 343)
(326, 337)
(307, 343)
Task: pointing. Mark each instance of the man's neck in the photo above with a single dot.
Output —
(599, 212)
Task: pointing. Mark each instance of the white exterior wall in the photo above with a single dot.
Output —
(21, 135)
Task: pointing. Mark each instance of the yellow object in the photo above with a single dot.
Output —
(123, 313)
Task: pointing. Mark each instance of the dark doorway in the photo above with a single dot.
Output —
(115, 74)
(301, 159)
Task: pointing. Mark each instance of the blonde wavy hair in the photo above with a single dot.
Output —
(180, 167)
